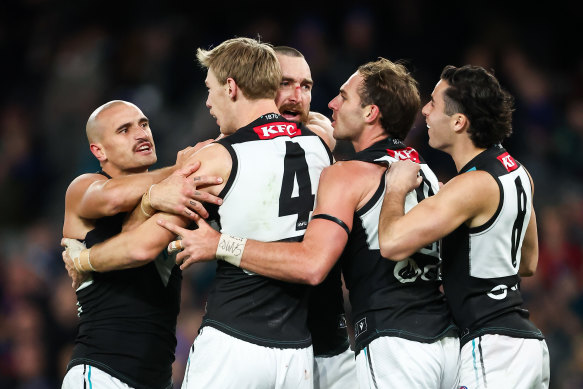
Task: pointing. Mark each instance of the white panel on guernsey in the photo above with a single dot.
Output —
(489, 248)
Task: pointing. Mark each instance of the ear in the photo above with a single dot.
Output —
(460, 122)
(371, 113)
(232, 88)
(98, 151)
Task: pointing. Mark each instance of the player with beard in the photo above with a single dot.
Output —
(404, 332)
(334, 360)
(255, 328)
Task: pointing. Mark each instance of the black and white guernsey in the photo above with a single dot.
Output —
(389, 298)
(480, 265)
(269, 197)
(127, 318)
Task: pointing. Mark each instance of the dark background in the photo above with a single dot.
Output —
(60, 60)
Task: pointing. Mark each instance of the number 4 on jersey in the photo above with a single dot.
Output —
(295, 167)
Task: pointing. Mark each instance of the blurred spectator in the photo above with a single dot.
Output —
(61, 60)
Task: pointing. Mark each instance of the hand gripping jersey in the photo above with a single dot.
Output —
(480, 265)
(127, 318)
(269, 197)
(391, 298)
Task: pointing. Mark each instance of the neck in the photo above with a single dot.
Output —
(250, 110)
(368, 137)
(114, 171)
(464, 152)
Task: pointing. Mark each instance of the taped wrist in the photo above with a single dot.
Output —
(230, 249)
(83, 263)
(146, 204)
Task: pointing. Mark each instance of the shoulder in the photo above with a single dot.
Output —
(357, 168)
(475, 192)
(81, 183)
(214, 159)
(475, 182)
(352, 176)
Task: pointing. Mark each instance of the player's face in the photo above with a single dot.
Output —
(439, 124)
(216, 102)
(347, 111)
(295, 91)
(126, 138)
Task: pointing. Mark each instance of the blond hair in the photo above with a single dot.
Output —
(251, 63)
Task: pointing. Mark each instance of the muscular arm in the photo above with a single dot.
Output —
(310, 261)
(92, 196)
(400, 235)
(138, 246)
(307, 262)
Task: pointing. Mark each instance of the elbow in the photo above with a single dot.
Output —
(392, 252)
(314, 278)
(315, 274)
(143, 255)
(527, 271)
(114, 205)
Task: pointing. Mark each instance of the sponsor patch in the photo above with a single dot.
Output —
(402, 154)
(275, 129)
(508, 162)
(360, 327)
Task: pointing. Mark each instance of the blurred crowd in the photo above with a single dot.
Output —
(60, 63)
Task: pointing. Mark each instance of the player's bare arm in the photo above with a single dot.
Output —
(529, 251)
(400, 235)
(342, 190)
(136, 247)
(92, 196)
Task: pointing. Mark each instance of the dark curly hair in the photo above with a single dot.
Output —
(476, 93)
(391, 87)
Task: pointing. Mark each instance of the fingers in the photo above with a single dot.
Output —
(174, 246)
(198, 208)
(205, 197)
(200, 145)
(206, 180)
(172, 227)
(184, 262)
(189, 169)
(66, 242)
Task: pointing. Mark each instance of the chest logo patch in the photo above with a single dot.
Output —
(403, 154)
(275, 129)
(508, 162)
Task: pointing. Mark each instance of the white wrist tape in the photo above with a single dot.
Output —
(230, 249)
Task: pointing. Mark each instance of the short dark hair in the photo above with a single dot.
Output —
(288, 51)
(476, 93)
(389, 86)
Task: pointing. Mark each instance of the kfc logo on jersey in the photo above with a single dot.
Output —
(402, 154)
(273, 130)
(508, 162)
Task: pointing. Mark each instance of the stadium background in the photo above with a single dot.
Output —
(60, 60)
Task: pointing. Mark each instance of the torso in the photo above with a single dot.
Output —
(119, 311)
(480, 264)
(268, 197)
(392, 298)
